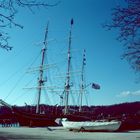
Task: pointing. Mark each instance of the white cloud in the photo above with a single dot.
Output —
(137, 93)
(129, 93)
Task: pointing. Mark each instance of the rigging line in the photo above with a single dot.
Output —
(23, 92)
(34, 99)
(78, 99)
(86, 100)
(35, 59)
(14, 86)
(48, 72)
(51, 82)
(17, 82)
(30, 81)
(47, 96)
(10, 77)
(13, 56)
(19, 97)
(73, 80)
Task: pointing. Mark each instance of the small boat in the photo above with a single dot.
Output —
(91, 125)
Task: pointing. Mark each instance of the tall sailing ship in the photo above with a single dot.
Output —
(37, 118)
(71, 119)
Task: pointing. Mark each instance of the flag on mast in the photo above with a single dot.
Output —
(95, 86)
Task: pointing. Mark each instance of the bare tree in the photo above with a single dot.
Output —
(127, 20)
(8, 10)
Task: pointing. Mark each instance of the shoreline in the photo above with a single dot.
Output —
(59, 133)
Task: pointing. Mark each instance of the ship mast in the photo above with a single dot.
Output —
(41, 80)
(67, 85)
(82, 81)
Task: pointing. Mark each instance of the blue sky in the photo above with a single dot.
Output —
(103, 52)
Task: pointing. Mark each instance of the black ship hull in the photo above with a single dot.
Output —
(34, 120)
(43, 120)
